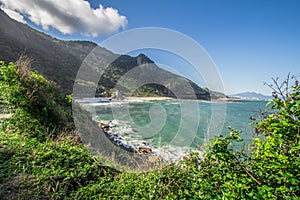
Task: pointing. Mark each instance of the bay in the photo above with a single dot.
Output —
(176, 126)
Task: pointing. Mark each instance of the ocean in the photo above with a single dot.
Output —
(173, 127)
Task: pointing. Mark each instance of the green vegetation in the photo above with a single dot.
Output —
(41, 158)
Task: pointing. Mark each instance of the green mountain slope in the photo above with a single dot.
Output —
(57, 60)
(60, 61)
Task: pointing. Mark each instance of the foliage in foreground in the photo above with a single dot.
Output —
(36, 165)
(28, 91)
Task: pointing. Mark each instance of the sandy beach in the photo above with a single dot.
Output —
(147, 98)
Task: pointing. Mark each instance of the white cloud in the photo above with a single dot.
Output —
(13, 14)
(67, 16)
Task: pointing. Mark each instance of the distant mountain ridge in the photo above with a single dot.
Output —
(60, 61)
(251, 95)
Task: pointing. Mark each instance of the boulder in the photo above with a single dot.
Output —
(144, 150)
(104, 126)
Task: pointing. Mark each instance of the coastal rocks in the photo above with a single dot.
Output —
(104, 126)
(116, 139)
(144, 150)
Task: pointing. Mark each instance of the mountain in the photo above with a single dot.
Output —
(60, 61)
(57, 60)
(251, 95)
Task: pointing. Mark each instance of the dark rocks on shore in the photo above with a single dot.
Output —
(144, 150)
(117, 140)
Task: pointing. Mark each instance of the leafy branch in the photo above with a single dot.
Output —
(281, 89)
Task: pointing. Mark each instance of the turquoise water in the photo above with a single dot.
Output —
(180, 123)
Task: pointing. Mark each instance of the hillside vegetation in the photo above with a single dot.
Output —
(41, 157)
(59, 61)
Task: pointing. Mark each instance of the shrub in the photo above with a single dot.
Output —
(26, 90)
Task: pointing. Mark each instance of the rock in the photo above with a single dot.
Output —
(144, 150)
(101, 124)
(134, 130)
(104, 126)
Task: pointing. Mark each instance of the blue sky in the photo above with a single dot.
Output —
(250, 41)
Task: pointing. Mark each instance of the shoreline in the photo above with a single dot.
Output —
(168, 153)
(137, 99)
(106, 100)
(147, 98)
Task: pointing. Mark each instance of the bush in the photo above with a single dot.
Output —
(31, 92)
(276, 158)
(34, 162)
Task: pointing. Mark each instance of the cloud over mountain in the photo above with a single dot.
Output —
(13, 14)
(68, 16)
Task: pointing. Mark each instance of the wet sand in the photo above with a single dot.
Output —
(147, 98)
